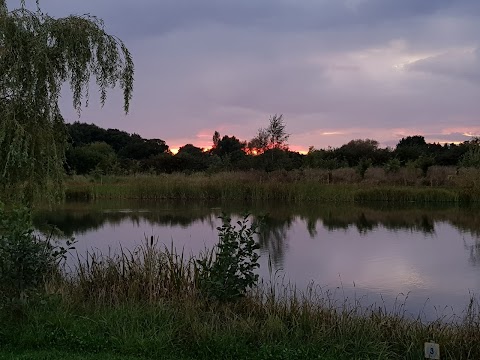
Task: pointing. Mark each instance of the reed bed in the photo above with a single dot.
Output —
(146, 303)
(341, 185)
(416, 195)
(225, 186)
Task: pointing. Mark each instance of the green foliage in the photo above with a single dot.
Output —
(38, 54)
(26, 259)
(357, 150)
(97, 156)
(392, 166)
(423, 163)
(228, 272)
(363, 166)
(324, 159)
(472, 157)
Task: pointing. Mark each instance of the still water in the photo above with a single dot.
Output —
(427, 258)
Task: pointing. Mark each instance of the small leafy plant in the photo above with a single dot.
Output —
(26, 258)
(228, 271)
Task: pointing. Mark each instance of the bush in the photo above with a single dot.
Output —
(228, 272)
(25, 257)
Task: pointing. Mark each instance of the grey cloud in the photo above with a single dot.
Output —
(153, 17)
(452, 137)
(336, 23)
(463, 64)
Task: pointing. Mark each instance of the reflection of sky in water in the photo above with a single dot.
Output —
(427, 266)
(433, 265)
(129, 234)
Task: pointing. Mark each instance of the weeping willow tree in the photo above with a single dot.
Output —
(39, 54)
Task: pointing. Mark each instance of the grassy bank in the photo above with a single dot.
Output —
(342, 185)
(147, 305)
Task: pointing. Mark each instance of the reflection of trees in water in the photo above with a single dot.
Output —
(273, 235)
(311, 227)
(333, 221)
(70, 223)
(474, 252)
(364, 225)
(366, 222)
(423, 224)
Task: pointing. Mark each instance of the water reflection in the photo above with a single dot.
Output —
(428, 253)
(75, 219)
(273, 237)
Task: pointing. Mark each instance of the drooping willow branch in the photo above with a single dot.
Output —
(38, 54)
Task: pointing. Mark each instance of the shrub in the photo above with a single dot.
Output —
(392, 166)
(363, 166)
(228, 271)
(472, 157)
(25, 257)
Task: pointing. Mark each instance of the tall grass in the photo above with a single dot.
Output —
(224, 186)
(341, 185)
(146, 303)
(417, 195)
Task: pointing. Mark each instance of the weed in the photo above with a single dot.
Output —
(229, 270)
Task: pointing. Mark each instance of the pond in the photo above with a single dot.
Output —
(421, 260)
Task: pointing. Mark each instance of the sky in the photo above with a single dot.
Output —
(336, 69)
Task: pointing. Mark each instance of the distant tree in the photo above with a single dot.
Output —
(276, 131)
(260, 143)
(412, 141)
(126, 146)
(356, 150)
(324, 159)
(272, 137)
(229, 145)
(450, 154)
(163, 163)
(117, 139)
(82, 133)
(411, 148)
(424, 162)
(472, 157)
(192, 158)
(139, 148)
(94, 156)
(38, 54)
(191, 150)
(216, 139)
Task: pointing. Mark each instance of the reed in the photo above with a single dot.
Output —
(341, 185)
(225, 186)
(404, 194)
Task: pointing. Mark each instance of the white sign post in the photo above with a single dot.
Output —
(432, 350)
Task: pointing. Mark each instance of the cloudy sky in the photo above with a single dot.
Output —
(337, 69)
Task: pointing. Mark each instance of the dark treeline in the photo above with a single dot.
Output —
(93, 150)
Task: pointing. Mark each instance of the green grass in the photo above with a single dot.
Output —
(146, 305)
(61, 355)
